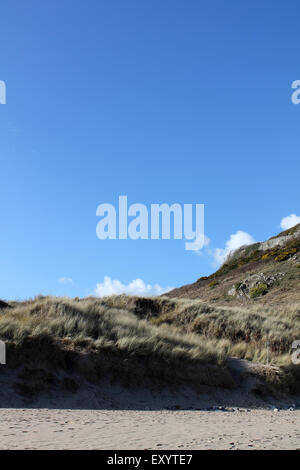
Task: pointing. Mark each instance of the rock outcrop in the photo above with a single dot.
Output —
(252, 272)
(243, 289)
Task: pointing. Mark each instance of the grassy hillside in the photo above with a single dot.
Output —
(144, 342)
(267, 273)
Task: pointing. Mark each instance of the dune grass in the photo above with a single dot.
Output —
(98, 340)
(241, 332)
(237, 331)
(149, 341)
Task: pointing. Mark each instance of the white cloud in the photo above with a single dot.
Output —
(235, 241)
(289, 221)
(136, 287)
(65, 280)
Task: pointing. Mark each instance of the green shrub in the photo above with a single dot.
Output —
(286, 254)
(259, 290)
(213, 284)
(203, 278)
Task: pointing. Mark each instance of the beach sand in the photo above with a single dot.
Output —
(159, 429)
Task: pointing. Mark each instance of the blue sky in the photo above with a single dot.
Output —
(171, 101)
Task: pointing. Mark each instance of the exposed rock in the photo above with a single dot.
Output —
(293, 258)
(233, 291)
(243, 289)
(275, 242)
(278, 241)
(279, 253)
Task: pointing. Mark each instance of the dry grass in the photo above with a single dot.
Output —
(149, 341)
(241, 332)
(238, 331)
(98, 340)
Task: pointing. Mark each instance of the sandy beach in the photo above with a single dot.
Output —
(128, 429)
(112, 417)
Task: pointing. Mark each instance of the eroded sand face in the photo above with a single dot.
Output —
(107, 429)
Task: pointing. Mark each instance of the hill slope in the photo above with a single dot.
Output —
(266, 272)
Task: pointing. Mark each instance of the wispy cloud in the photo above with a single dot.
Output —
(136, 287)
(65, 280)
(235, 241)
(289, 221)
